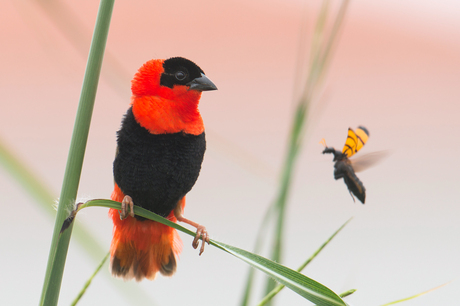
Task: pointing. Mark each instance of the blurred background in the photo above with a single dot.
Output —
(396, 70)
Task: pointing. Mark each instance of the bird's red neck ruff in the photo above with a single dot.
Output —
(174, 114)
(164, 110)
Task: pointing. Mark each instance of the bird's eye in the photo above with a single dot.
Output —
(180, 75)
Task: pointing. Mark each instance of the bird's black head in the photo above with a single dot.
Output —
(181, 71)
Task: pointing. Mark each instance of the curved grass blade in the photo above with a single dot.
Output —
(60, 242)
(88, 282)
(278, 288)
(299, 283)
(416, 295)
(304, 286)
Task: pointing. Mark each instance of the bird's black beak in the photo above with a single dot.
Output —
(202, 84)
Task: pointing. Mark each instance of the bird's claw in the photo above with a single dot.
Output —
(203, 233)
(127, 201)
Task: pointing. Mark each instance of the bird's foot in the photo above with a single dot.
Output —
(203, 233)
(127, 201)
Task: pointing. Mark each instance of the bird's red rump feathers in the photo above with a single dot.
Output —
(142, 248)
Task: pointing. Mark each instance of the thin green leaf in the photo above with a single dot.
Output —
(320, 56)
(60, 243)
(88, 282)
(281, 200)
(417, 295)
(299, 283)
(347, 293)
(28, 180)
(304, 286)
(258, 245)
(278, 288)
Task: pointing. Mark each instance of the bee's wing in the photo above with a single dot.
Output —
(365, 161)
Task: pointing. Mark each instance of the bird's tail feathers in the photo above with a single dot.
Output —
(140, 249)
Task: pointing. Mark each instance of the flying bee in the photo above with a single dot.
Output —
(346, 168)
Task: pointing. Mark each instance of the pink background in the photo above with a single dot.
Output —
(396, 71)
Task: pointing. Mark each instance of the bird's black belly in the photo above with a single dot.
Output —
(156, 170)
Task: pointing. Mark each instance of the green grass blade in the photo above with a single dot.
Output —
(321, 51)
(60, 243)
(347, 293)
(257, 248)
(299, 283)
(34, 186)
(28, 180)
(333, 37)
(67, 21)
(278, 288)
(304, 286)
(416, 295)
(88, 282)
(280, 204)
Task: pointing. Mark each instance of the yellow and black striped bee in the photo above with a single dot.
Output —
(344, 168)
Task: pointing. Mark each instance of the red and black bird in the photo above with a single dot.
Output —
(160, 150)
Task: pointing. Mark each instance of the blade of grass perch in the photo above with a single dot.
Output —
(88, 282)
(60, 243)
(320, 54)
(416, 295)
(278, 288)
(304, 286)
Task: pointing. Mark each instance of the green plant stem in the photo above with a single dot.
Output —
(321, 53)
(416, 295)
(294, 146)
(60, 243)
(258, 245)
(31, 183)
(280, 287)
(88, 282)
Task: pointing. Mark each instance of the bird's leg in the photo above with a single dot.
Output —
(200, 229)
(127, 201)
